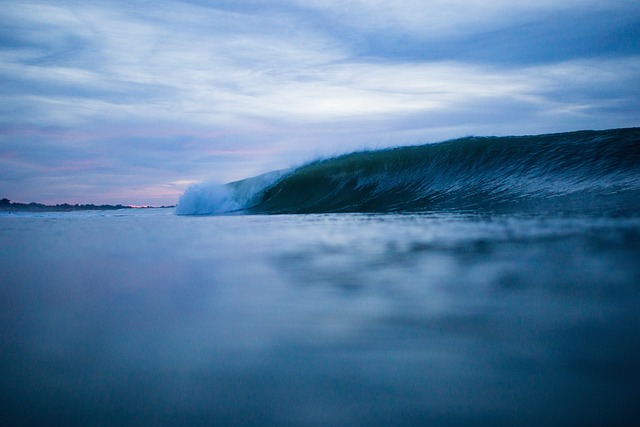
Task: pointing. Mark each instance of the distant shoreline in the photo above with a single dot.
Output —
(8, 206)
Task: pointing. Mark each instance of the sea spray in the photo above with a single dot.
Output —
(208, 198)
(212, 198)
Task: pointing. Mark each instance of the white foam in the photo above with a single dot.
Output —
(206, 199)
(213, 198)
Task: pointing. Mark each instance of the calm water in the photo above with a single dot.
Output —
(142, 317)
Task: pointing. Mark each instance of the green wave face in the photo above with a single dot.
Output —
(572, 171)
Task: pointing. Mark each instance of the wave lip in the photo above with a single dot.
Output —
(585, 171)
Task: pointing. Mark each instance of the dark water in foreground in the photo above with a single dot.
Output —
(146, 318)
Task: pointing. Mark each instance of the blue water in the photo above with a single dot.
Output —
(144, 317)
(480, 281)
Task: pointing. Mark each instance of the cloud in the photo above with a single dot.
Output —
(442, 19)
(182, 91)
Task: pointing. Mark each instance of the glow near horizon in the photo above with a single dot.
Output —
(129, 102)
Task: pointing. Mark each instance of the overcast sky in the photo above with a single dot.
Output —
(131, 101)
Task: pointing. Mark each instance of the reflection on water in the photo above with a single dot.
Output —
(148, 318)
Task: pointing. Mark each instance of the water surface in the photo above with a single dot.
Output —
(142, 317)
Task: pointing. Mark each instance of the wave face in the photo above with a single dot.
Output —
(578, 172)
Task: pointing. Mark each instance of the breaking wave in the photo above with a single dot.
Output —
(578, 172)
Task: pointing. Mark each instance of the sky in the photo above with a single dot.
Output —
(133, 101)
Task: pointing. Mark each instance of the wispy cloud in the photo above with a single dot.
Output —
(130, 101)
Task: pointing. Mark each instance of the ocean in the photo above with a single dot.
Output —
(481, 281)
